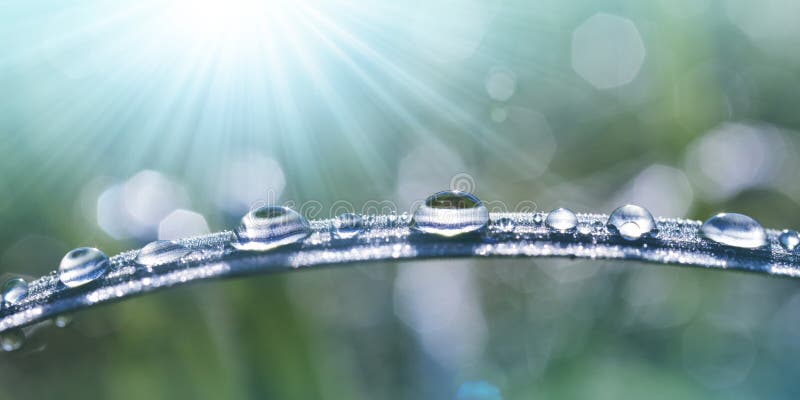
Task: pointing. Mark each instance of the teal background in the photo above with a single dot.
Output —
(686, 107)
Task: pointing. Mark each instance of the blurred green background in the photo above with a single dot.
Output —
(124, 122)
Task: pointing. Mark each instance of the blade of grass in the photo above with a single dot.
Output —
(387, 238)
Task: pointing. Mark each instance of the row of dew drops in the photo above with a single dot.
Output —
(447, 213)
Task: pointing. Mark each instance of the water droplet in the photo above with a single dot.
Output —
(81, 266)
(561, 219)
(450, 213)
(789, 239)
(63, 320)
(538, 219)
(584, 229)
(736, 230)
(598, 227)
(269, 227)
(161, 252)
(12, 340)
(632, 222)
(504, 224)
(348, 225)
(14, 290)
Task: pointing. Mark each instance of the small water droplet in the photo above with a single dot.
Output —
(269, 227)
(735, 230)
(161, 252)
(12, 340)
(584, 229)
(81, 266)
(450, 213)
(504, 224)
(14, 290)
(348, 225)
(789, 239)
(631, 222)
(561, 219)
(538, 219)
(598, 227)
(63, 320)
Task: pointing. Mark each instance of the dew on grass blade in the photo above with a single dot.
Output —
(445, 214)
(81, 266)
(789, 239)
(450, 213)
(348, 225)
(504, 224)
(631, 222)
(268, 227)
(561, 219)
(14, 290)
(161, 252)
(735, 230)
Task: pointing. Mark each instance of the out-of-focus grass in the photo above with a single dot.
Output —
(89, 102)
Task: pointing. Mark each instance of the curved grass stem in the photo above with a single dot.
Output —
(389, 237)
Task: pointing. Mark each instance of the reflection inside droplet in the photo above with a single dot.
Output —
(735, 230)
(161, 252)
(450, 213)
(631, 222)
(81, 266)
(269, 227)
(561, 219)
(14, 290)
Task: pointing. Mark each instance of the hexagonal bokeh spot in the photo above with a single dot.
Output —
(607, 51)
(182, 223)
(501, 83)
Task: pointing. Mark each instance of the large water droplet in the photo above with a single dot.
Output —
(631, 222)
(561, 219)
(14, 290)
(161, 252)
(348, 225)
(12, 340)
(789, 239)
(269, 227)
(81, 266)
(736, 230)
(450, 213)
